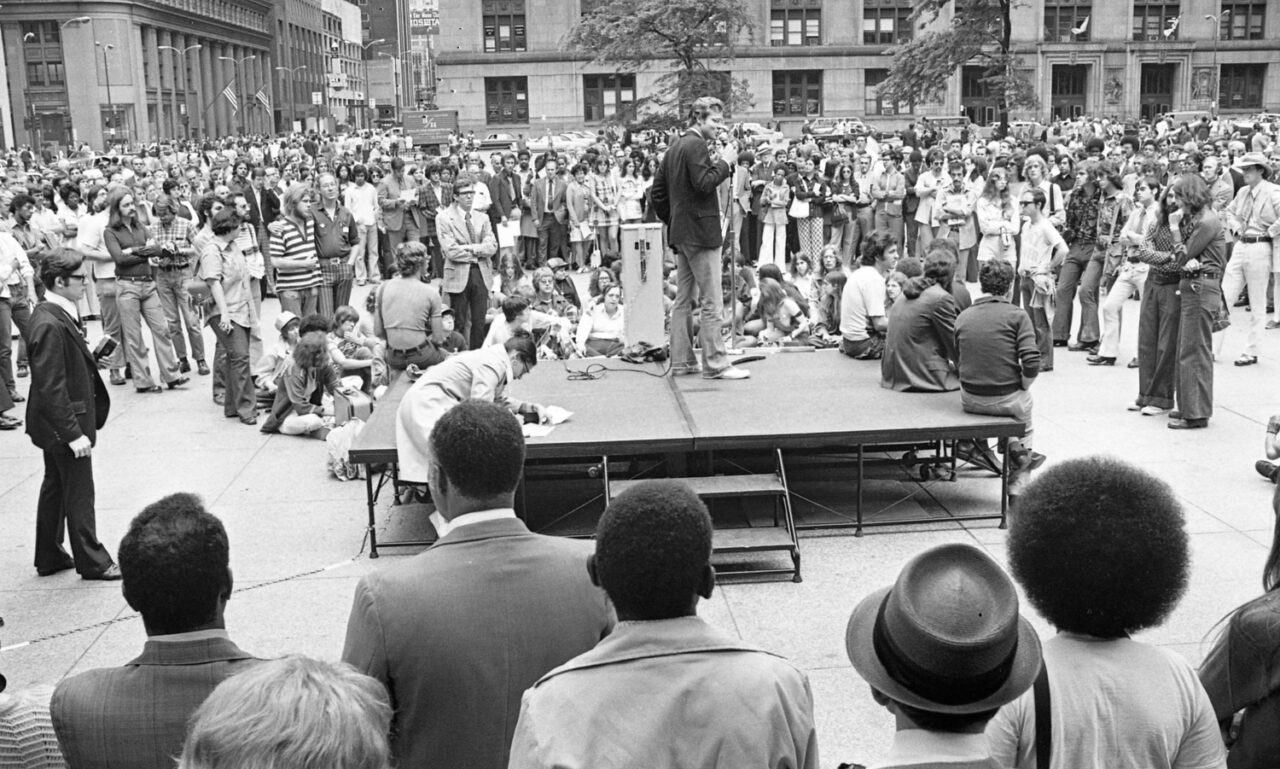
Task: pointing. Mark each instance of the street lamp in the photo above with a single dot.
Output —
(1217, 35)
(106, 70)
(76, 20)
(235, 75)
(292, 105)
(181, 52)
(365, 46)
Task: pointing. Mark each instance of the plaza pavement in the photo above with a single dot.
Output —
(297, 534)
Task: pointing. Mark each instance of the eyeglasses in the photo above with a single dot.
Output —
(78, 275)
(1026, 202)
(464, 192)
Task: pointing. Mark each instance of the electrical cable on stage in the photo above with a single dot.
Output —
(596, 371)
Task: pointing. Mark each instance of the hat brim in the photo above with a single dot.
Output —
(861, 649)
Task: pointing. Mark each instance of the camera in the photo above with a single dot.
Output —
(105, 346)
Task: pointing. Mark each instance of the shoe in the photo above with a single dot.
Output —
(686, 370)
(1045, 369)
(1187, 424)
(1175, 414)
(361, 281)
(1098, 360)
(184, 366)
(16, 397)
(128, 371)
(1266, 469)
(1246, 360)
(180, 381)
(1032, 461)
(22, 371)
(218, 398)
(109, 574)
(1133, 363)
(116, 377)
(728, 372)
(58, 569)
(1135, 406)
(1153, 411)
(1059, 343)
(978, 455)
(1241, 303)
(253, 420)
(202, 368)
(1272, 325)
(151, 389)
(9, 423)
(1083, 347)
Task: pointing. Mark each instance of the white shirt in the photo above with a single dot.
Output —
(917, 746)
(89, 239)
(862, 300)
(64, 303)
(443, 527)
(362, 201)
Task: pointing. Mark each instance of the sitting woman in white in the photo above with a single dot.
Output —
(602, 328)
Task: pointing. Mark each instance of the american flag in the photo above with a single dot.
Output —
(231, 97)
(262, 96)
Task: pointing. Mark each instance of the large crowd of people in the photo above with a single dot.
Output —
(471, 269)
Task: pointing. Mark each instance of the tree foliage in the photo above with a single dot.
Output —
(979, 34)
(689, 38)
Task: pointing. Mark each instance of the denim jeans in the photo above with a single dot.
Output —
(1082, 269)
(182, 315)
(138, 301)
(110, 320)
(698, 274)
(302, 303)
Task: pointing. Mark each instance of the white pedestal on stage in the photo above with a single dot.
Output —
(642, 283)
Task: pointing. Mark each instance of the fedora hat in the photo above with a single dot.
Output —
(1255, 159)
(946, 637)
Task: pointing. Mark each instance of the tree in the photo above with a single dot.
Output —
(980, 33)
(690, 37)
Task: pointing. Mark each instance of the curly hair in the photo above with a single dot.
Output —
(175, 560)
(653, 544)
(312, 350)
(479, 448)
(1100, 547)
(410, 256)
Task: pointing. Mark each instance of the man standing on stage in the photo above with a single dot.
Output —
(67, 406)
(685, 199)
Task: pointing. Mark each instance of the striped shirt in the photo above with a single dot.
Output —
(293, 243)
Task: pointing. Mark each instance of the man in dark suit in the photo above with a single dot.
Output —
(547, 206)
(264, 208)
(67, 406)
(684, 197)
(433, 197)
(457, 633)
(177, 576)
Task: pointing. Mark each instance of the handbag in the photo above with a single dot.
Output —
(799, 209)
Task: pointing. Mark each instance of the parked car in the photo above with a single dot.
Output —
(755, 133)
(498, 141)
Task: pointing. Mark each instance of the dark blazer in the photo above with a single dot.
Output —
(684, 192)
(431, 204)
(535, 191)
(507, 198)
(68, 398)
(136, 715)
(270, 206)
(921, 343)
(505, 607)
(266, 213)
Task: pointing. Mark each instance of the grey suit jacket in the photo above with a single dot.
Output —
(457, 633)
(451, 231)
(136, 716)
(397, 215)
(920, 346)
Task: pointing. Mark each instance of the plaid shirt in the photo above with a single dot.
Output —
(1082, 217)
(179, 232)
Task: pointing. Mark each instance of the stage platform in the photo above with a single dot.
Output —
(820, 415)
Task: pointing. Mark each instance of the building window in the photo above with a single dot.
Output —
(55, 72)
(1241, 86)
(873, 103)
(506, 100)
(1061, 17)
(607, 97)
(796, 26)
(886, 22)
(35, 73)
(1242, 21)
(1156, 21)
(797, 93)
(504, 28)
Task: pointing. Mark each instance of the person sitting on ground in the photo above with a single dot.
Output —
(792, 290)
(460, 630)
(920, 346)
(407, 312)
(781, 321)
(863, 320)
(1268, 468)
(634, 694)
(292, 713)
(546, 298)
(601, 279)
(943, 649)
(454, 341)
(299, 405)
(602, 330)
(350, 353)
(518, 314)
(564, 282)
(177, 575)
(275, 360)
(1112, 699)
(997, 358)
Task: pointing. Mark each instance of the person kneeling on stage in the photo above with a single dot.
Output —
(481, 374)
(998, 360)
(298, 408)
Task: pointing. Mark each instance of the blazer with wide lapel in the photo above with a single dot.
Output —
(457, 633)
(536, 192)
(432, 204)
(685, 192)
(451, 230)
(68, 397)
(136, 715)
(506, 195)
(389, 190)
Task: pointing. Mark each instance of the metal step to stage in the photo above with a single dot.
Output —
(751, 539)
(712, 486)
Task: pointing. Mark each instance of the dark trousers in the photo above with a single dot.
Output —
(11, 315)
(912, 229)
(1039, 322)
(232, 358)
(1083, 269)
(551, 240)
(66, 506)
(1201, 302)
(469, 306)
(1158, 324)
(749, 240)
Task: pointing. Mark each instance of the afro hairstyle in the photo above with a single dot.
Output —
(1100, 547)
(653, 544)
